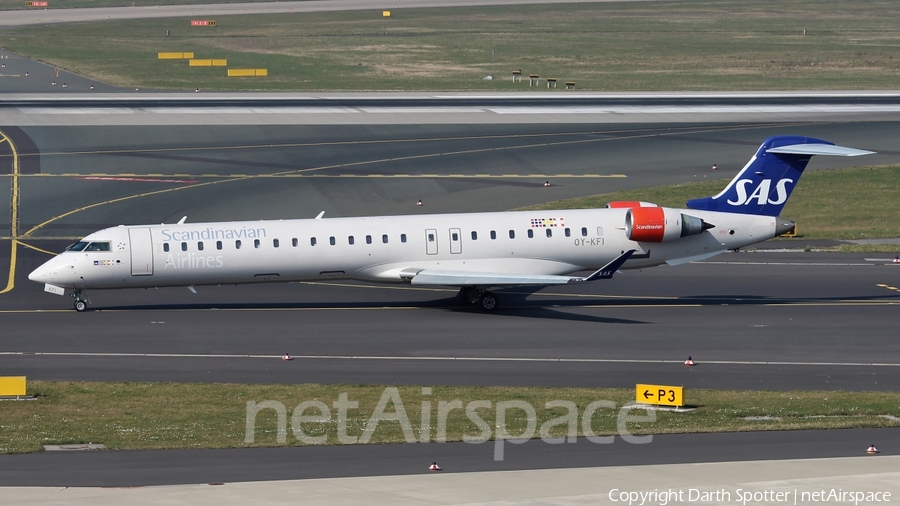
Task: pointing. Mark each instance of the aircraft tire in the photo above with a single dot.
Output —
(469, 295)
(488, 301)
(80, 306)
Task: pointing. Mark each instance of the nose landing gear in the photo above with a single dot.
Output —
(81, 301)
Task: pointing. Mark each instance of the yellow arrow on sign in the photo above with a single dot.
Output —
(662, 395)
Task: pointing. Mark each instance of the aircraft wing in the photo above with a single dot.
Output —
(464, 278)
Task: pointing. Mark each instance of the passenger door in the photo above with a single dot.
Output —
(141, 251)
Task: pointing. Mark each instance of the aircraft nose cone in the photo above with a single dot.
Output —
(39, 275)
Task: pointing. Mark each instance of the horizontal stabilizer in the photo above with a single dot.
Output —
(819, 149)
(764, 185)
(607, 271)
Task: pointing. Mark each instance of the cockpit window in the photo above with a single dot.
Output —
(78, 246)
(98, 246)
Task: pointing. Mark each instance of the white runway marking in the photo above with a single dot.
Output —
(513, 110)
(463, 359)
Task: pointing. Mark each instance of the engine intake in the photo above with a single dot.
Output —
(660, 224)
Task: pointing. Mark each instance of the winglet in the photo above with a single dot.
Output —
(607, 271)
(182, 220)
(319, 216)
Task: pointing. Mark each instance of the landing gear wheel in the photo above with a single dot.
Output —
(469, 295)
(80, 305)
(488, 301)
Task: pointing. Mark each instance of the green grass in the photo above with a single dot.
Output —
(688, 45)
(173, 415)
(854, 203)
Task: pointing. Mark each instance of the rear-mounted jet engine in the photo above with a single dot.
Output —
(660, 224)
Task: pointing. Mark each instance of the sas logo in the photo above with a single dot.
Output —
(761, 193)
(104, 262)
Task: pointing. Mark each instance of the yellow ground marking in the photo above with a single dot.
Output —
(11, 280)
(113, 201)
(43, 238)
(14, 213)
(38, 249)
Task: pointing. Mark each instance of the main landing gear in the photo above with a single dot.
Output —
(81, 301)
(478, 297)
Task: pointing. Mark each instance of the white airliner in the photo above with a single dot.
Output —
(475, 251)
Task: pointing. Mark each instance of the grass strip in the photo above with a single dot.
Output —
(692, 45)
(852, 203)
(179, 415)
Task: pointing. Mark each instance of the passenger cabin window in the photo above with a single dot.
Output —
(294, 242)
(512, 234)
(276, 242)
(568, 232)
(331, 240)
(312, 241)
(256, 243)
(549, 232)
(200, 246)
(454, 236)
(368, 239)
(218, 244)
(474, 235)
(600, 231)
(237, 244)
(583, 231)
(350, 239)
(530, 233)
(402, 237)
(98, 246)
(493, 234)
(430, 237)
(384, 238)
(184, 246)
(79, 246)
(166, 247)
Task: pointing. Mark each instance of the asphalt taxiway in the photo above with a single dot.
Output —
(765, 320)
(753, 320)
(170, 467)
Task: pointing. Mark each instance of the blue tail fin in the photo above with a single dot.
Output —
(765, 183)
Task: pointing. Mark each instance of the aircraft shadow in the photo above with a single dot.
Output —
(512, 305)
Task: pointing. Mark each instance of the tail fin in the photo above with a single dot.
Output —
(765, 183)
